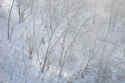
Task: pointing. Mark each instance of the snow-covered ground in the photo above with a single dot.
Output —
(77, 49)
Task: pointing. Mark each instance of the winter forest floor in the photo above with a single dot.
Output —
(62, 41)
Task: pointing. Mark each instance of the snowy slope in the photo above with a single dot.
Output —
(76, 51)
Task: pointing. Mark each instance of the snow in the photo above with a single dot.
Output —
(96, 55)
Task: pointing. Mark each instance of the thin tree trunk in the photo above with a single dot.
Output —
(9, 20)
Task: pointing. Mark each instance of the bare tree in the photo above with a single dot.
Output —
(9, 20)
